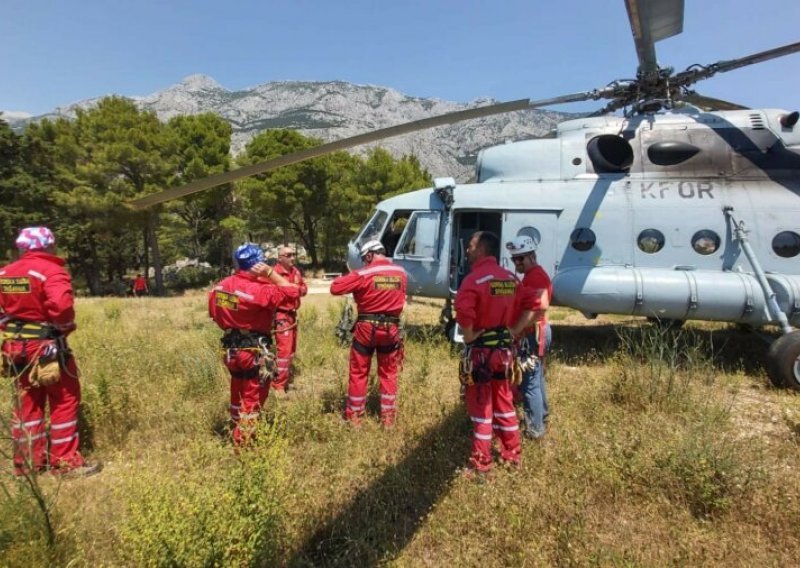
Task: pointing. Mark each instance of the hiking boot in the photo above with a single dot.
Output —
(85, 470)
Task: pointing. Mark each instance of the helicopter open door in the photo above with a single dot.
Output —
(418, 250)
(465, 223)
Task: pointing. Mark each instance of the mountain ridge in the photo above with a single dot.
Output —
(331, 110)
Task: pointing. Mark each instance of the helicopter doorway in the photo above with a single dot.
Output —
(465, 223)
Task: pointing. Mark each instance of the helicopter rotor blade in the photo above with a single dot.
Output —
(288, 159)
(697, 72)
(374, 136)
(710, 103)
(651, 22)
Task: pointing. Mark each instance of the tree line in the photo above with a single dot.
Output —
(78, 176)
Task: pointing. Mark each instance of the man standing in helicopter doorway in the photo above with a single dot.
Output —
(484, 307)
(532, 331)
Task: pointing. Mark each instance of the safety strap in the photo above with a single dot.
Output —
(17, 329)
(363, 349)
(379, 319)
(497, 337)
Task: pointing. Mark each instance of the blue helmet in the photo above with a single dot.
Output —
(248, 255)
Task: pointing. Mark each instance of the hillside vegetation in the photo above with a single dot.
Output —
(663, 449)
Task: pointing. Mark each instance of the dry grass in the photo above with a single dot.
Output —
(651, 459)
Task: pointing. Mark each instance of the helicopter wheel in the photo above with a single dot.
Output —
(783, 361)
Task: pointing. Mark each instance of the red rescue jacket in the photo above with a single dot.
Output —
(485, 298)
(293, 275)
(37, 288)
(379, 288)
(242, 301)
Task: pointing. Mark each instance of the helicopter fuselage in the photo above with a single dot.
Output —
(632, 216)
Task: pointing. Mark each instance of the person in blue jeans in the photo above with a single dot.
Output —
(533, 332)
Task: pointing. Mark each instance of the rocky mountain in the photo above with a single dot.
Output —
(333, 110)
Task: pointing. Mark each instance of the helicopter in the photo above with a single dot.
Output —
(664, 203)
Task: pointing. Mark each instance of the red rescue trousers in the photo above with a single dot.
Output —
(28, 426)
(248, 393)
(384, 339)
(286, 343)
(491, 409)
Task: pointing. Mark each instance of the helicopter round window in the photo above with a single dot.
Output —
(532, 233)
(650, 241)
(582, 239)
(786, 244)
(705, 242)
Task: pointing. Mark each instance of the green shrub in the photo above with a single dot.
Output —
(223, 511)
(190, 277)
(658, 367)
(706, 468)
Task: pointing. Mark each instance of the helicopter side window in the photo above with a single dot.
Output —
(650, 241)
(705, 242)
(582, 239)
(786, 244)
(420, 240)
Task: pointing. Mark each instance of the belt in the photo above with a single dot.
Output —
(495, 337)
(378, 318)
(29, 330)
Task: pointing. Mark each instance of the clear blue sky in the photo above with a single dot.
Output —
(56, 52)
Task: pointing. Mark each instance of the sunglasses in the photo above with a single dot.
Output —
(516, 259)
(288, 254)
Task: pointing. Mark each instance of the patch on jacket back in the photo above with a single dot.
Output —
(20, 285)
(502, 287)
(386, 282)
(227, 301)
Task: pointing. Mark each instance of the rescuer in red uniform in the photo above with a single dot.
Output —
(286, 319)
(36, 308)
(532, 332)
(243, 305)
(484, 308)
(140, 286)
(379, 290)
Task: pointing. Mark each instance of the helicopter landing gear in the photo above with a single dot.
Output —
(783, 361)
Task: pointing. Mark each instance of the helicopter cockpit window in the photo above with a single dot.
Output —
(420, 240)
(786, 244)
(705, 242)
(374, 227)
(582, 239)
(650, 241)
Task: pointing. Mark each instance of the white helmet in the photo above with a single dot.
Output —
(372, 245)
(521, 245)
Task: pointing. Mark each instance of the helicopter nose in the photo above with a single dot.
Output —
(353, 258)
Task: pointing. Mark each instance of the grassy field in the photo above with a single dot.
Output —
(663, 449)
